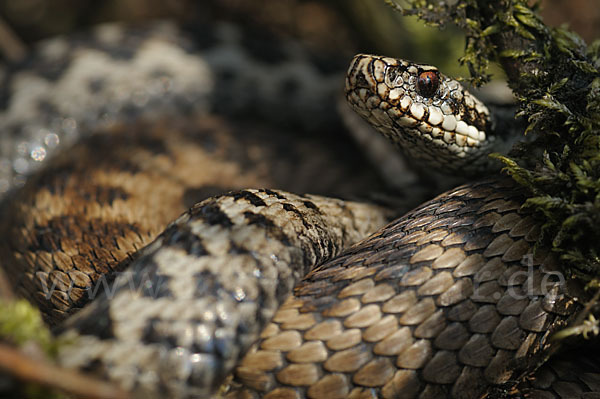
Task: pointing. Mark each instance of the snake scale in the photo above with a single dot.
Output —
(446, 301)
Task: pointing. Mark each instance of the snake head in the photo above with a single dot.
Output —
(430, 116)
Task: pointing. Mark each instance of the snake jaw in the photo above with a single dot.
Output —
(429, 115)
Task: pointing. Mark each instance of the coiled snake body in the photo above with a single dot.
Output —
(448, 300)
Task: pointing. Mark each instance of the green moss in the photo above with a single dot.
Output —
(556, 80)
(21, 323)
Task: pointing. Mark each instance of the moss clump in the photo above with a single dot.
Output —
(21, 324)
(557, 83)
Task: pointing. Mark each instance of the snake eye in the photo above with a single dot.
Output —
(428, 83)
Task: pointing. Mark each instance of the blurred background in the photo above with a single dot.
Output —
(347, 26)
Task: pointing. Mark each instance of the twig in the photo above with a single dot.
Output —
(44, 373)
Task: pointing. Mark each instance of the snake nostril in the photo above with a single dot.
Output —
(393, 75)
(428, 83)
(361, 81)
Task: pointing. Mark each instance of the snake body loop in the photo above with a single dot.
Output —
(447, 301)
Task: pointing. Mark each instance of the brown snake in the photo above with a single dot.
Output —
(447, 301)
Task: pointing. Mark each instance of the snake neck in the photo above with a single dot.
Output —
(432, 118)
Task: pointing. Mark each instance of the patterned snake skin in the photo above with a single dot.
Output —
(447, 301)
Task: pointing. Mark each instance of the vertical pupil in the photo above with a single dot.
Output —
(428, 83)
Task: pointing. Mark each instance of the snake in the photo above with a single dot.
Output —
(449, 300)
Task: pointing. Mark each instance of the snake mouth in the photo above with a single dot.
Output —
(415, 105)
